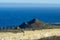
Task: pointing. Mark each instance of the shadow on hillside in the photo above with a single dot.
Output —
(51, 38)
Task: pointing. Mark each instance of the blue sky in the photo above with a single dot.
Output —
(34, 2)
(31, 1)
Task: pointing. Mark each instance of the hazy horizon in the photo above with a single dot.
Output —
(29, 3)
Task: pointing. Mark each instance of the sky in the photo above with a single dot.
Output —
(19, 2)
(31, 1)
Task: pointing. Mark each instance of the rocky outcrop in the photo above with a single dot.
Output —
(33, 24)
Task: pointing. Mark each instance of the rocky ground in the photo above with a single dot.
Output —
(29, 35)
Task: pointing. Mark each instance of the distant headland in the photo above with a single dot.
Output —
(33, 24)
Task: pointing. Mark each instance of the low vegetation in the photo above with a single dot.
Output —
(51, 38)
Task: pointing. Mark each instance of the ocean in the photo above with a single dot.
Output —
(16, 16)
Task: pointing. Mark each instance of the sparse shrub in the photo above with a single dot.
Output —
(51, 38)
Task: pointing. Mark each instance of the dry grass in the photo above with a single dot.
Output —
(37, 34)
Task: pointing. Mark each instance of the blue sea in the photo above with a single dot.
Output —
(16, 16)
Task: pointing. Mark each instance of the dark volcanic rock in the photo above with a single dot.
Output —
(33, 24)
(36, 24)
(24, 26)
